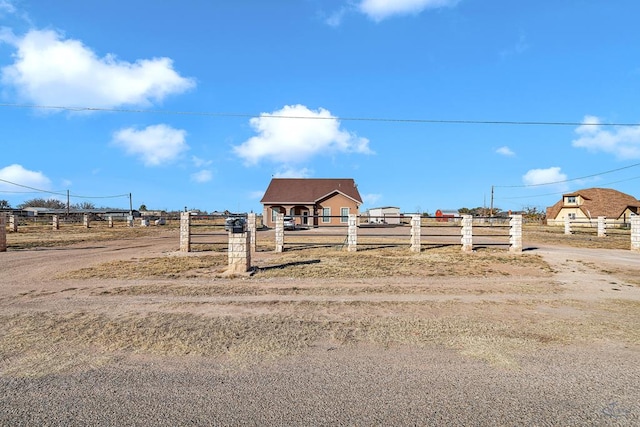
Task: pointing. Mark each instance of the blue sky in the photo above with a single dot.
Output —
(422, 102)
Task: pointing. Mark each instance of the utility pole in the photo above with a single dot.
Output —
(67, 203)
(491, 208)
(130, 205)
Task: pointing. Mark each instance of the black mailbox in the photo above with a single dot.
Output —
(236, 224)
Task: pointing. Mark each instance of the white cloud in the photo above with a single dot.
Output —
(292, 139)
(51, 70)
(505, 151)
(19, 175)
(289, 172)
(155, 145)
(202, 176)
(544, 176)
(6, 7)
(371, 198)
(335, 19)
(199, 163)
(382, 9)
(621, 141)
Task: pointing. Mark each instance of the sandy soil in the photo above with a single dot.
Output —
(335, 379)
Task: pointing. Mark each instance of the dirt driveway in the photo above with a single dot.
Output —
(551, 342)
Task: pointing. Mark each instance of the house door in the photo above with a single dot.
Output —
(305, 218)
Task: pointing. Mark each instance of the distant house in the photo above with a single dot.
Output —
(446, 216)
(589, 204)
(384, 215)
(311, 201)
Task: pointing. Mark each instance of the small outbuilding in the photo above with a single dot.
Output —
(384, 215)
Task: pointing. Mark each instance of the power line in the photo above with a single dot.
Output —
(277, 116)
(567, 180)
(56, 193)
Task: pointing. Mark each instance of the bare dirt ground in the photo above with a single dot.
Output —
(132, 332)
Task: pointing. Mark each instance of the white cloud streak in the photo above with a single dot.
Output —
(545, 176)
(154, 145)
(202, 176)
(621, 141)
(505, 151)
(295, 140)
(51, 70)
(379, 10)
(19, 175)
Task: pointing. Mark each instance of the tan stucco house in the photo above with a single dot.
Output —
(313, 202)
(589, 204)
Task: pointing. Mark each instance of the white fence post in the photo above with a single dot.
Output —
(3, 233)
(515, 234)
(252, 228)
(110, 222)
(567, 225)
(352, 233)
(13, 223)
(635, 233)
(467, 233)
(416, 244)
(279, 232)
(602, 226)
(55, 222)
(239, 253)
(85, 220)
(185, 232)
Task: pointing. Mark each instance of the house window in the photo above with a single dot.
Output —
(571, 200)
(326, 214)
(274, 214)
(344, 214)
(572, 216)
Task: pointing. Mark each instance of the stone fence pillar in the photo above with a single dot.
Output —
(85, 220)
(144, 222)
(55, 222)
(3, 233)
(635, 233)
(130, 221)
(467, 233)
(515, 234)
(567, 225)
(416, 244)
(110, 222)
(185, 232)
(252, 228)
(239, 253)
(279, 232)
(602, 226)
(352, 233)
(13, 223)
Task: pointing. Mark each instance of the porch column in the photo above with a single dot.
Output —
(467, 233)
(279, 232)
(602, 226)
(515, 234)
(416, 243)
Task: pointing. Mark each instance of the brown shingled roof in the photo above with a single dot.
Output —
(598, 202)
(308, 190)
